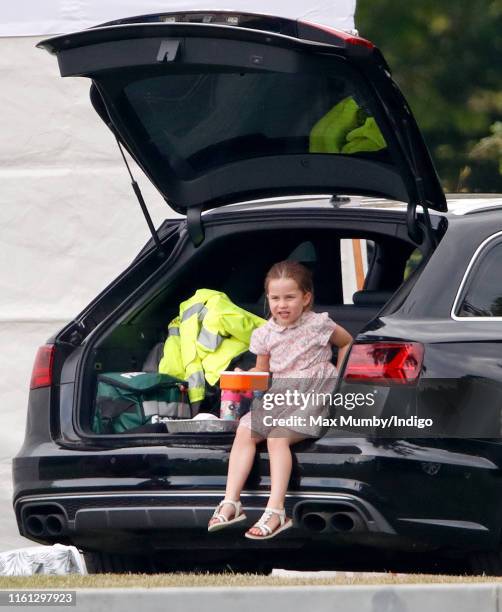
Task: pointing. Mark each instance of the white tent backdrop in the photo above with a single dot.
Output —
(32, 17)
(70, 222)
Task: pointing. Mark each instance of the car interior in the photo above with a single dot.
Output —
(226, 264)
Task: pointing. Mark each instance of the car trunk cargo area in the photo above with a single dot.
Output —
(235, 261)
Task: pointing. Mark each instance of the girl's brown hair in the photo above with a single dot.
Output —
(297, 272)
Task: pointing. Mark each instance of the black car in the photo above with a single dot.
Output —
(277, 139)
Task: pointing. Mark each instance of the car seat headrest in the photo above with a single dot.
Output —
(371, 298)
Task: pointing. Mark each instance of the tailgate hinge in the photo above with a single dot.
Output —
(194, 225)
(418, 232)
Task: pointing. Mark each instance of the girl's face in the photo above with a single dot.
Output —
(286, 300)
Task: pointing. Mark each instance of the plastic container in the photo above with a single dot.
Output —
(232, 404)
(244, 381)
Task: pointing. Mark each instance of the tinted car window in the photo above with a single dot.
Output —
(483, 297)
(412, 263)
(202, 121)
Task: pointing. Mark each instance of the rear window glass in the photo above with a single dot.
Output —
(483, 297)
(199, 121)
(412, 263)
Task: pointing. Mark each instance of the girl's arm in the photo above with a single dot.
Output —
(262, 364)
(342, 339)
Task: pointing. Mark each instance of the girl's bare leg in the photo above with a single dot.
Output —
(239, 465)
(281, 463)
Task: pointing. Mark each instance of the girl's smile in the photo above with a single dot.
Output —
(286, 300)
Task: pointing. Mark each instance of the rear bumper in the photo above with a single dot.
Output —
(161, 498)
(183, 511)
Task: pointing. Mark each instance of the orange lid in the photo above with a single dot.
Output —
(244, 381)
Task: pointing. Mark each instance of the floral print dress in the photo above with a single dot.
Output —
(300, 360)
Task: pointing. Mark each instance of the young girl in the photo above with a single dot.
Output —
(295, 343)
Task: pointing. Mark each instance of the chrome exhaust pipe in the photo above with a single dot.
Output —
(55, 524)
(347, 522)
(316, 521)
(342, 521)
(35, 525)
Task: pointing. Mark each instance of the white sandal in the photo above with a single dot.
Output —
(267, 532)
(223, 520)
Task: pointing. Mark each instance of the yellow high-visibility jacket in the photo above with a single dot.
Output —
(209, 332)
(347, 129)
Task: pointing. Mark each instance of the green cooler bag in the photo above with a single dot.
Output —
(126, 400)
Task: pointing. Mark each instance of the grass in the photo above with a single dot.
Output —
(132, 581)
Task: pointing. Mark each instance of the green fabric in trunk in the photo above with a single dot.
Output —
(126, 400)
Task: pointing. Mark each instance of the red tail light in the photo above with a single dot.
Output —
(346, 37)
(397, 363)
(41, 375)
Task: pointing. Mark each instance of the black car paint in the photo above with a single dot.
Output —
(430, 497)
(147, 494)
(431, 494)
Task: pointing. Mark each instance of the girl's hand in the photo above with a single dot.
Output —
(262, 365)
(342, 339)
